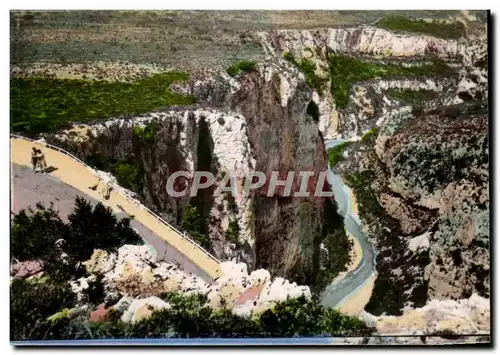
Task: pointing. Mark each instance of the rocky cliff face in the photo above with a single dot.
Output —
(256, 122)
(423, 191)
(368, 101)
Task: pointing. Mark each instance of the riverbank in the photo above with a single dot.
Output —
(356, 256)
(357, 301)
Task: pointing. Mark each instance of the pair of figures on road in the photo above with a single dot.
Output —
(38, 160)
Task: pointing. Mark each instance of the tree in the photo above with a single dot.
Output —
(96, 228)
(33, 235)
(233, 232)
(192, 222)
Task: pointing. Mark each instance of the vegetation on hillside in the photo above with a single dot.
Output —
(337, 244)
(233, 232)
(369, 134)
(335, 153)
(339, 247)
(146, 133)
(189, 317)
(308, 67)
(436, 28)
(45, 104)
(127, 173)
(360, 183)
(346, 70)
(194, 224)
(412, 97)
(243, 66)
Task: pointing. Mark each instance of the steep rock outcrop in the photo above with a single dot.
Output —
(422, 189)
(467, 316)
(134, 278)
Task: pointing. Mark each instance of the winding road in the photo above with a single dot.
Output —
(71, 177)
(341, 290)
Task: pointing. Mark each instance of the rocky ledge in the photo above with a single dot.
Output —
(133, 279)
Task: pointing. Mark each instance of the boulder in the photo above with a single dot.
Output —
(143, 308)
(26, 268)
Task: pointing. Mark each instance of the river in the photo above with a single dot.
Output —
(341, 290)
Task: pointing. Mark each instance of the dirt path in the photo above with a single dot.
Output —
(73, 173)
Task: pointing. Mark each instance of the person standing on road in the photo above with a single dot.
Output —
(42, 164)
(34, 159)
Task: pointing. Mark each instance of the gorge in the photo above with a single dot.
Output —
(399, 118)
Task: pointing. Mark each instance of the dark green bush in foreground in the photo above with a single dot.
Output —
(32, 302)
(42, 105)
(33, 234)
(435, 28)
(190, 318)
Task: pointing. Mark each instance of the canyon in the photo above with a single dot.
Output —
(419, 168)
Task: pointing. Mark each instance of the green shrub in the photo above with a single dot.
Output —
(335, 153)
(194, 224)
(346, 70)
(42, 104)
(233, 232)
(146, 133)
(33, 234)
(243, 66)
(308, 67)
(453, 30)
(32, 302)
(371, 133)
(96, 227)
(412, 97)
(128, 175)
